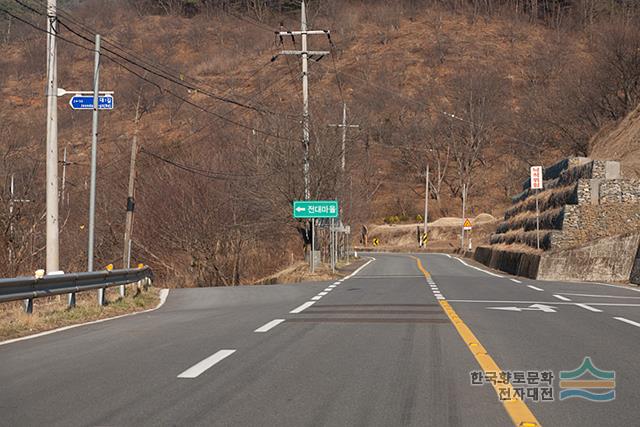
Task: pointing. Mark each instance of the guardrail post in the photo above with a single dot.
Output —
(72, 299)
(28, 305)
(101, 296)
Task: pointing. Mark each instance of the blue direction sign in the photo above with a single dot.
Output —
(85, 102)
(315, 209)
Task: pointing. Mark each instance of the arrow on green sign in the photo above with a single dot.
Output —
(315, 209)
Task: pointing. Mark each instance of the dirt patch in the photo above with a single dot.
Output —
(51, 313)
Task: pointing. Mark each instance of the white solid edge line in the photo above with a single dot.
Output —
(515, 280)
(359, 269)
(479, 269)
(535, 288)
(631, 322)
(205, 364)
(302, 307)
(588, 307)
(560, 297)
(316, 298)
(163, 298)
(269, 325)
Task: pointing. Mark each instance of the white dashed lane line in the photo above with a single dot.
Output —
(268, 326)
(303, 307)
(205, 364)
(515, 280)
(316, 298)
(588, 307)
(631, 322)
(535, 288)
(560, 297)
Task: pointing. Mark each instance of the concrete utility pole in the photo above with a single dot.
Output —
(344, 127)
(304, 53)
(426, 202)
(94, 154)
(53, 246)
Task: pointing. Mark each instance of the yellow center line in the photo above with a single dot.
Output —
(519, 412)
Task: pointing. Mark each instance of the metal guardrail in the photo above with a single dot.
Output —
(30, 287)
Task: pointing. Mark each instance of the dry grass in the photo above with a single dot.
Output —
(299, 272)
(547, 199)
(621, 143)
(51, 313)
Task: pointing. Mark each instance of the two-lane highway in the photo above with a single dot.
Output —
(395, 343)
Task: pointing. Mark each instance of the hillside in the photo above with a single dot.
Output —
(621, 142)
(478, 95)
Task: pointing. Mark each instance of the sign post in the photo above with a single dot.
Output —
(536, 184)
(313, 209)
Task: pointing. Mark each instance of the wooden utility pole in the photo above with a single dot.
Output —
(464, 201)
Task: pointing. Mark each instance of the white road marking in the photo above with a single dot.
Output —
(359, 269)
(598, 296)
(631, 322)
(328, 289)
(336, 283)
(535, 288)
(323, 294)
(560, 297)
(479, 269)
(207, 363)
(302, 307)
(439, 297)
(267, 326)
(588, 307)
(164, 293)
(332, 287)
(514, 280)
(533, 307)
(316, 298)
(603, 304)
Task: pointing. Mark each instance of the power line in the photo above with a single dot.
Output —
(201, 172)
(161, 88)
(149, 67)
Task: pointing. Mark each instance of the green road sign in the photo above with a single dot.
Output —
(315, 209)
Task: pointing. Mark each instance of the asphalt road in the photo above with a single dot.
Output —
(392, 345)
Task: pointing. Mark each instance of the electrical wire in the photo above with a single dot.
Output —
(161, 88)
(148, 67)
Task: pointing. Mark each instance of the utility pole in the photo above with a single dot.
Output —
(64, 174)
(344, 127)
(11, 224)
(304, 53)
(128, 229)
(426, 203)
(94, 161)
(464, 201)
(53, 245)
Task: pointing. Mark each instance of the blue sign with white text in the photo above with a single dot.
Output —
(85, 102)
